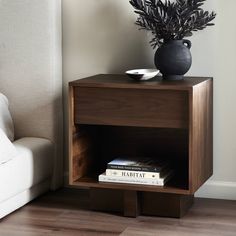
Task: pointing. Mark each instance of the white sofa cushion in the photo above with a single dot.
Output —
(32, 165)
(6, 123)
(7, 149)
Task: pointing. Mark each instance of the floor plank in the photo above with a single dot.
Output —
(66, 213)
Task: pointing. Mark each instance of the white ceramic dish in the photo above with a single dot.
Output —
(142, 74)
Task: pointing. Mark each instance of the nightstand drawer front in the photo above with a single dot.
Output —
(131, 107)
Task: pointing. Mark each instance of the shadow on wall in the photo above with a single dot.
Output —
(115, 43)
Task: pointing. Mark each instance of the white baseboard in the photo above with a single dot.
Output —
(218, 190)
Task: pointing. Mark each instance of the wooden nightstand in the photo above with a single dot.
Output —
(111, 115)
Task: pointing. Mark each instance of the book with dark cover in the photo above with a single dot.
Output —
(138, 164)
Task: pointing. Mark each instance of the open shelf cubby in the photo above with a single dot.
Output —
(111, 116)
(101, 144)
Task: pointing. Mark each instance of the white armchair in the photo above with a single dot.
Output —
(26, 165)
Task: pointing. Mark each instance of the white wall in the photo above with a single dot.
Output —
(218, 55)
(100, 37)
(30, 62)
(31, 71)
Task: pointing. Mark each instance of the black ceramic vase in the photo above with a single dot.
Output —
(174, 59)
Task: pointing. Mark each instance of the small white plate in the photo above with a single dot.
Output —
(142, 74)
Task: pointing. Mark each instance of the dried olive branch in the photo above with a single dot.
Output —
(171, 19)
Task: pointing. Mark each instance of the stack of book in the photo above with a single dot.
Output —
(147, 171)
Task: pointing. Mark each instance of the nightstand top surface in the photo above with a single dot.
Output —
(123, 81)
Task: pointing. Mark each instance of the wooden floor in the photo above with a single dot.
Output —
(66, 213)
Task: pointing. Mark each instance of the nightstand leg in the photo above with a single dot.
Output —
(131, 203)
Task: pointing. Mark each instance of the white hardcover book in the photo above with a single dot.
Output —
(127, 180)
(132, 174)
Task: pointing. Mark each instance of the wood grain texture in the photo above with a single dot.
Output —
(129, 107)
(80, 151)
(92, 182)
(82, 158)
(66, 213)
(111, 115)
(124, 82)
(201, 135)
(115, 141)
